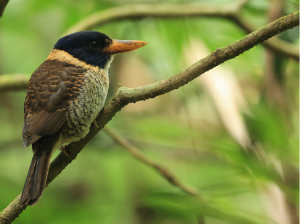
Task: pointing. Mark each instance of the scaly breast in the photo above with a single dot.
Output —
(84, 110)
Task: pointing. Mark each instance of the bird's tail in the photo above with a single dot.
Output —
(36, 178)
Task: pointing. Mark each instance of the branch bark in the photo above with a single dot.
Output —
(125, 96)
(230, 11)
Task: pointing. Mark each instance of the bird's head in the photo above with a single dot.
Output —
(95, 48)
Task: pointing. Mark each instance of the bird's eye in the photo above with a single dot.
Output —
(95, 46)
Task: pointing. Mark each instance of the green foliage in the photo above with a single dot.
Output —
(183, 131)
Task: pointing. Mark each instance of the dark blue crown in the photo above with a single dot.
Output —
(87, 46)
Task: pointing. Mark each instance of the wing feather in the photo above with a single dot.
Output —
(50, 89)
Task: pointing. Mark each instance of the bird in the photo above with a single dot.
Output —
(64, 96)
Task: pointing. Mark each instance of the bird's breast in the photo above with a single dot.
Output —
(84, 109)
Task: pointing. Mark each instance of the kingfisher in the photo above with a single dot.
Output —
(64, 96)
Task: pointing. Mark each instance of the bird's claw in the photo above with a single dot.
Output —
(63, 149)
(95, 123)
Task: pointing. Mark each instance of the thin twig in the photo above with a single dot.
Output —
(150, 10)
(125, 96)
(167, 174)
(229, 11)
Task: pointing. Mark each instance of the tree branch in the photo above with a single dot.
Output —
(3, 4)
(125, 95)
(167, 174)
(13, 82)
(229, 11)
(155, 11)
(275, 44)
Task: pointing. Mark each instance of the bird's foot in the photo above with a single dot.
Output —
(63, 149)
(95, 123)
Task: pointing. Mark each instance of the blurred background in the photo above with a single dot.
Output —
(232, 133)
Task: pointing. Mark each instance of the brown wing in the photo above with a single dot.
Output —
(50, 89)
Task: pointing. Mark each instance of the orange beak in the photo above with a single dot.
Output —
(120, 46)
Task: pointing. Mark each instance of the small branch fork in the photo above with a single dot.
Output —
(125, 96)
